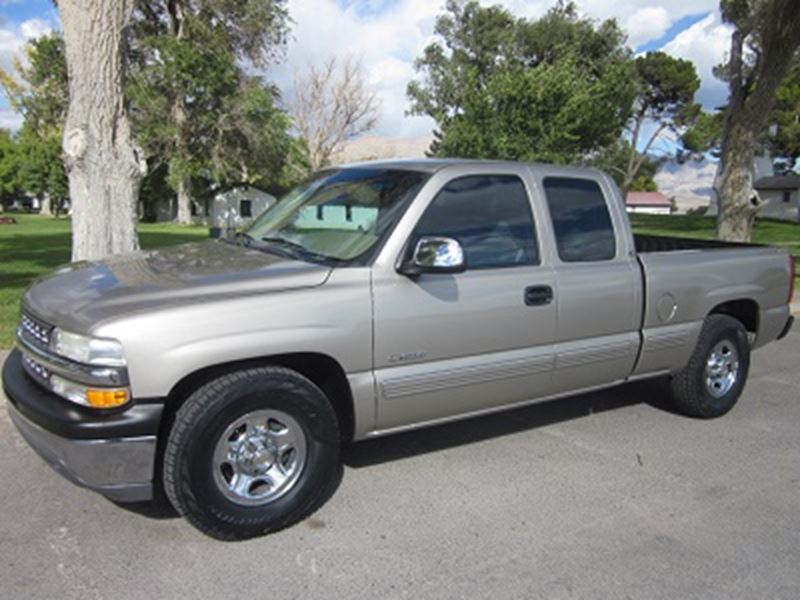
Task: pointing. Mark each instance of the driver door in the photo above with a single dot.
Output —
(450, 344)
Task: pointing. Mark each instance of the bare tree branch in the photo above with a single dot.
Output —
(332, 104)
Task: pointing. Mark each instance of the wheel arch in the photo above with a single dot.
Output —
(321, 369)
(744, 310)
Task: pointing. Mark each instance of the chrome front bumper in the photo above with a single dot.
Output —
(120, 469)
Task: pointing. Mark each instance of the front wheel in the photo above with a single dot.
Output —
(711, 383)
(251, 452)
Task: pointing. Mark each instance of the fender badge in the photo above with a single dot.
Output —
(405, 356)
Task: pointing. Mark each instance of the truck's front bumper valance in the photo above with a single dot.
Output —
(112, 453)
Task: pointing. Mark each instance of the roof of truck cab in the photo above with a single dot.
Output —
(431, 165)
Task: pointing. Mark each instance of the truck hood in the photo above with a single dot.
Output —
(83, 294)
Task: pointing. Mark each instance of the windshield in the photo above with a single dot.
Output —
(340, 215)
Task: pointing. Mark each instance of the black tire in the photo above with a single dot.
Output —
(188, 458)
(690, 393)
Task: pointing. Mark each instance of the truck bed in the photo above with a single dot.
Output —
(658, 243)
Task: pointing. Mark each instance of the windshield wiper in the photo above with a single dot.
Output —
(299, 250)
(287, 244)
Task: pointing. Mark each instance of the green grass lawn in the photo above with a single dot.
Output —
(36, 245)
(775, 233)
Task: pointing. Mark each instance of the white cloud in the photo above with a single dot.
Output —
(646, 23)
(10, 119)
(13, 38)
(705, 43)
(388, 37)
(386, 42)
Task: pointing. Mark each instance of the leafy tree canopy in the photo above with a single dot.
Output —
(784, 132)
(193, 104)
(555, 89)
(34, 164)
(614, 160)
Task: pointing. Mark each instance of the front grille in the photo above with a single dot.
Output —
(34, 331)
(35, 370)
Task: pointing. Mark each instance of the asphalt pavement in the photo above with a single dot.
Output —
(604, 495)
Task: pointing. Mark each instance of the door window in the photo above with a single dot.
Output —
(489, 215)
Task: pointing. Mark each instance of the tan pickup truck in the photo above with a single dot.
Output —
(372, 299)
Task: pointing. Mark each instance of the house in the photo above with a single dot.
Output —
(653, 203)
(780, 195)
(232, 207)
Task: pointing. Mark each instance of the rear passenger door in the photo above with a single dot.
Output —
(598, 280)
(449, 344)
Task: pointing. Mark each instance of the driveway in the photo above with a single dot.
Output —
(605, 495)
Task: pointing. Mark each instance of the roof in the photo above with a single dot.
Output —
(428, 165)
(647, 199)
(778, 182)
(432, 165)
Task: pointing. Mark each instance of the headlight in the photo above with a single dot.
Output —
(86, 396)
(87, 350)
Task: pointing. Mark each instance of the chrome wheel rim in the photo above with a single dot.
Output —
(259, 457)
(722, 368)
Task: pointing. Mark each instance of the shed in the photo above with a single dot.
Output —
(234, 206)
(780, 195)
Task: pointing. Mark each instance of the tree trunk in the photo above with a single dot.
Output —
(752, 96)
(184, 212)
(45, 207)
(737, 202)
(104, 166)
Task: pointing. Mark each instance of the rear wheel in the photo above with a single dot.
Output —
(714, 378)
(251, 452)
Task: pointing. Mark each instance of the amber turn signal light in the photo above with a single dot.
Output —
(106, 398)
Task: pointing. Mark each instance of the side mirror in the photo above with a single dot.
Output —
(435, 255)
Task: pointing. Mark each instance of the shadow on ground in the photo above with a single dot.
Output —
(459, 433)
(476, 429)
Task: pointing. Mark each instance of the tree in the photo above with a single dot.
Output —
(9, 178)
(764, 42)
(41, 94)
(193, 104)
(104, 165)
(704, 136)
(615, 160)
(664, 99)
(784, 129)
(556, 89)
(332, 103)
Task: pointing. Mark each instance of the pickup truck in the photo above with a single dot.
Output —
(372, 299)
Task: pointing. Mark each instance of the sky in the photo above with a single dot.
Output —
(387, 35)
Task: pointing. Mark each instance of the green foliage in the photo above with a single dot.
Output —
(666, 87)
(40, 167)
(193, 106)
(665, 99)
(784, 135)
(9, 178)
(32, 162)
(45, 102)
(555, 89)
(614, 160)
(705, 135)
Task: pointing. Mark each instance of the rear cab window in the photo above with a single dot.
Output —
(581, 220)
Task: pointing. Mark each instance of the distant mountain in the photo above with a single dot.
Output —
(690, 183)
(376, 147)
